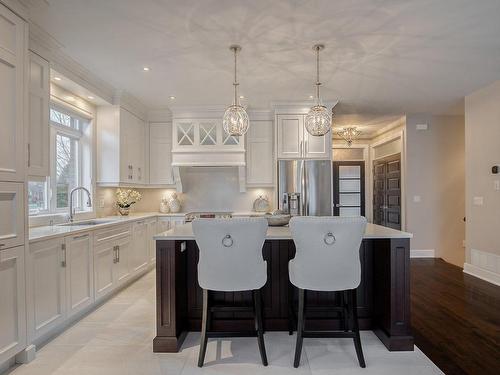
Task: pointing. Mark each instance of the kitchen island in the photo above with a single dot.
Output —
(383, 296)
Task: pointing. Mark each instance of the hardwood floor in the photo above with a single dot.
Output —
(455, 318)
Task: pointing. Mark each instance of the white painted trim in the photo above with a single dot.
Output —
(481, 273)
(430, 253)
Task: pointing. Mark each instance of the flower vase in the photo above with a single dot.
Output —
(124, 211)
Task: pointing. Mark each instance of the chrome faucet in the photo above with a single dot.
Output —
(71, 209)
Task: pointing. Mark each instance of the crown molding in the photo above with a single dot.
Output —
(48, 47)
(18, 7)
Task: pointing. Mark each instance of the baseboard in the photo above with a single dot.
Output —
(431, 253)
(481, 273)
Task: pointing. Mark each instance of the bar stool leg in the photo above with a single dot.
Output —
(355, 327)
(257, 298)
(290, 309)
(300, 329)
(204, 324)
(345, 306)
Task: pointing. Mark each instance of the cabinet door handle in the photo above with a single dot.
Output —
(29, 155)
(63, 250)
(114, 254)
(301, 148)
(80, 237)
(118, 252)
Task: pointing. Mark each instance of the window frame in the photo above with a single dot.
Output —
(84, 138)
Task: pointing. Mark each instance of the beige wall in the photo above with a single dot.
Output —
(482, 148)
(435, 165)
(205, 189)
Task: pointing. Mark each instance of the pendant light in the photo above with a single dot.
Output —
(235, 121)
(349, 135)
(318, 121)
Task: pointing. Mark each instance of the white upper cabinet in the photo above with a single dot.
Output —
(294, 142)
(260, 158)
(121, 147)
(38, 124)
(160, 154)
(12, 69)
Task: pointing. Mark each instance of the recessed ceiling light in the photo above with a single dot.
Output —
(311, 97)
(172, 97)
(90, 97)
(146, 69)
(57, 78)
(242, 97)
(70, 98)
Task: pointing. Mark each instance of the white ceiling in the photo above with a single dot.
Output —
(382, 56)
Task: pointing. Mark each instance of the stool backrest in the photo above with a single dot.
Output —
(327, 256)
(231, 253)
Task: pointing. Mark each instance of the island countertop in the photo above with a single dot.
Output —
(184, 232)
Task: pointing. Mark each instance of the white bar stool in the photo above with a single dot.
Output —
(327, 259)
(231, 261)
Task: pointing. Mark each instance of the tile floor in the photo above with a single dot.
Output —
(117, 339)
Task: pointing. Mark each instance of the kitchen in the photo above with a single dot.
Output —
(132, 160)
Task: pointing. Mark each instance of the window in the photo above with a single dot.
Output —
(70, 156)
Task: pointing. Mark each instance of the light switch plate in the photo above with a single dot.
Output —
(496, 185)
(417, 198)
(422, 126)
(478, 201)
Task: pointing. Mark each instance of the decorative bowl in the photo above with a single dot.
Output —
(277, 220)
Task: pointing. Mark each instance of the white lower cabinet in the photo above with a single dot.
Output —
(163, 224)
(65, 277)
(80, 273)
(123, 264)
(140, 246)
(104, 259)
(152, 226)
(46, 286)
(12, 302)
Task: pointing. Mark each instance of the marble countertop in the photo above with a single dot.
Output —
(58, 230)
(373, 231)
(53, 231)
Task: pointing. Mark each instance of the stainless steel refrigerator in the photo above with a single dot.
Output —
(307, 183)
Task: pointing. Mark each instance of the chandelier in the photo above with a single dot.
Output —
(318, 121)
(235, 121)
(349, 135)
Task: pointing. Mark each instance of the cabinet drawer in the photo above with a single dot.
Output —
(111, 234)
(11, 214)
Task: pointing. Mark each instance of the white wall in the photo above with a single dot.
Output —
(435, 185)
(482, 149)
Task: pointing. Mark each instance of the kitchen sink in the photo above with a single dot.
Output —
(87, 222)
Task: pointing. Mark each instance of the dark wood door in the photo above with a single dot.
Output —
(348, 188)
(387, 191)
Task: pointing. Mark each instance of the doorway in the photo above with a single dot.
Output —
(387, 191)
(348, 188)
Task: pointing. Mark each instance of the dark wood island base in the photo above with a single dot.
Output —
(383, 296)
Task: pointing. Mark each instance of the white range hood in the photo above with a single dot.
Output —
(201, 142)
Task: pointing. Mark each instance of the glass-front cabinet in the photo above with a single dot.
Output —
(203, 135)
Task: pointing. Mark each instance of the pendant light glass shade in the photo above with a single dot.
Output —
(235, 121)
(318, 121)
